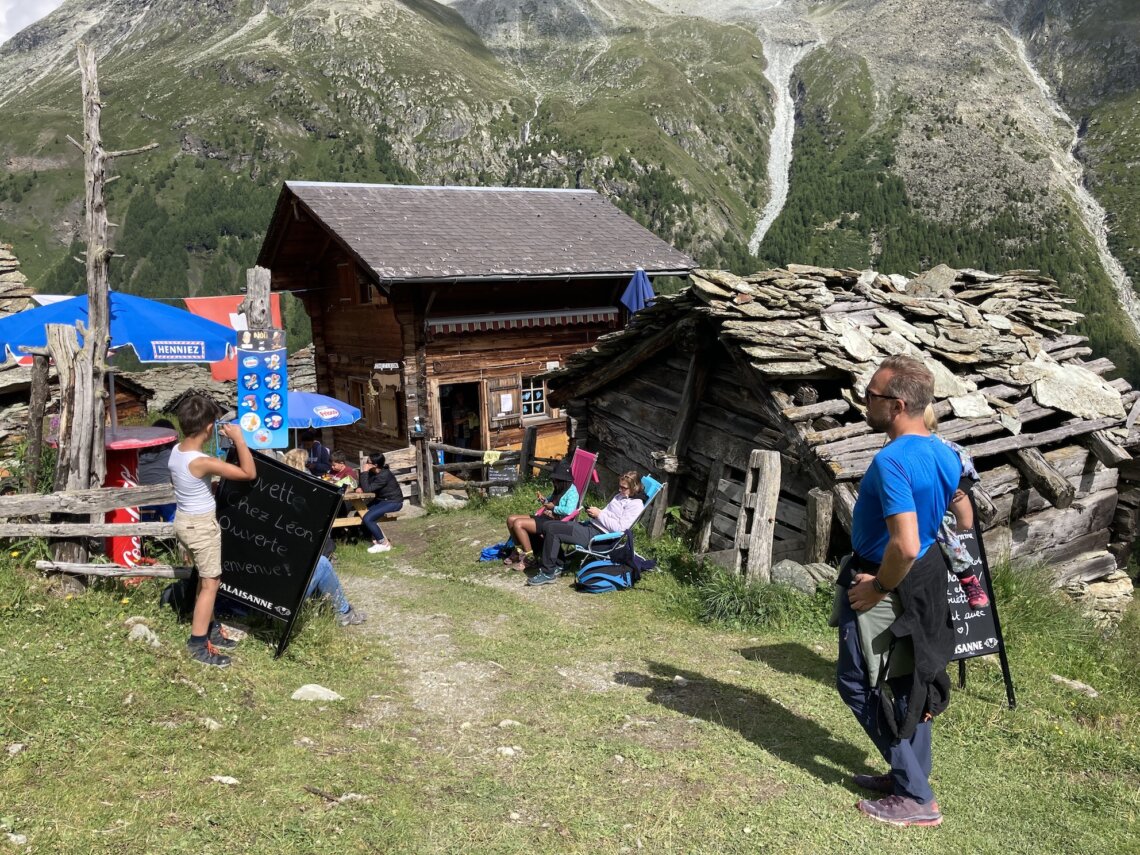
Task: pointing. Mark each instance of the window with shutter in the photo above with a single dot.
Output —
(504, 408)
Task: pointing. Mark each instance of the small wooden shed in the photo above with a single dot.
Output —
(778, 361)
(448, 303)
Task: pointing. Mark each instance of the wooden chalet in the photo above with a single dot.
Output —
(778, 361)
(449, 303)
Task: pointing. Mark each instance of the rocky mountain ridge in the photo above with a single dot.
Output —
(921, 132)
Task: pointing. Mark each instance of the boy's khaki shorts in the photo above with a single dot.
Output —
(201, 534)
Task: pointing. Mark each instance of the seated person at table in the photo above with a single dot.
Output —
(562, 501)
(341, 473)
(325, 582)
(620, 514)
(376, 477)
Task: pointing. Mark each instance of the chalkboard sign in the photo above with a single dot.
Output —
(975, 633)
(505, 478)
(272, 531)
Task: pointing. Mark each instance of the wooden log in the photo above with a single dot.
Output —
(1087, 567)
(1106, 449)
(99, 500)
(836, 407)
(505, 460)
(845, 496)
(1078, 427)
(159, 571)
(984, 506)
(1021, 503)
(461, 452)
(1043, 533)
(103, 529)
(704, 518)
(820, 510)
(755, 529)
(691, 396)
(1043, 477)
(465, 484)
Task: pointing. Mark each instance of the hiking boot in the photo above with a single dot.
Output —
(351, 618)
(877, 783)
(543, 577)
(901, 811)
(975, 593)
(219, 638)
(207, 654)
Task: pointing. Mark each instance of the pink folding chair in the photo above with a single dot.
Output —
(583, 468)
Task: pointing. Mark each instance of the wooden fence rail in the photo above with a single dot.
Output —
(95, 501)
(159, 571)
(18, 512)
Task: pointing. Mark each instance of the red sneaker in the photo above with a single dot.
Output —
(975, 593)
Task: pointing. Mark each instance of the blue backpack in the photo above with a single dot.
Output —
(602, 576)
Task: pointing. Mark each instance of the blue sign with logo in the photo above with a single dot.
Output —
(261, 388)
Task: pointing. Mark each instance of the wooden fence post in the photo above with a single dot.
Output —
(427, 475)
(526, 455)
(820, 510)
(756, 525)
(37, 407)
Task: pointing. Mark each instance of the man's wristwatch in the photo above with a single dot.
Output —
(878, 586)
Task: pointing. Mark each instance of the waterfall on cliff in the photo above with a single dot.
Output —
(782, 59)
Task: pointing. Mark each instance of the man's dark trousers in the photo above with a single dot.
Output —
(910, 759)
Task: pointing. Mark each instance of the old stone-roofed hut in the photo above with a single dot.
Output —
(778, 360)
(448, 303)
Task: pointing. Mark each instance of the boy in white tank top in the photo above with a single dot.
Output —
(195, 522)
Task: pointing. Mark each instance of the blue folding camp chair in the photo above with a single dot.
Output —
(603, 543)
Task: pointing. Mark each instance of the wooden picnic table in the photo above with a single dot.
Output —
(355, 503)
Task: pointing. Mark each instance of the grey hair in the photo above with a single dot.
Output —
(910, 381)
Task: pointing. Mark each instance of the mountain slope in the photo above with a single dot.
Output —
(242, 94)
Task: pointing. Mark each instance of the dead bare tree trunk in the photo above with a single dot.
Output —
(73, 461)
(87, 426)
(82, 462)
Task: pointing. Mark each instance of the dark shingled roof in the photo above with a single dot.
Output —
(432, 233)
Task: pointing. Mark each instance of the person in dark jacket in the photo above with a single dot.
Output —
(318, 460)
(376, 477)
(895, 597)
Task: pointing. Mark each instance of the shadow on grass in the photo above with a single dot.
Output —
(793, 659)
(757, 717)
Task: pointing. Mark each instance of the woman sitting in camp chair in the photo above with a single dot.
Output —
(620, 514)
(562, 502)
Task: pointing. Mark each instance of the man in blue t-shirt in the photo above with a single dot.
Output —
(901, 502)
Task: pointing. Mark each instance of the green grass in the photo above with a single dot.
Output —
(748, 752)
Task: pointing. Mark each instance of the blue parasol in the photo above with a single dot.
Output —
(638, 293)
(157, 332)
(310, 410)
